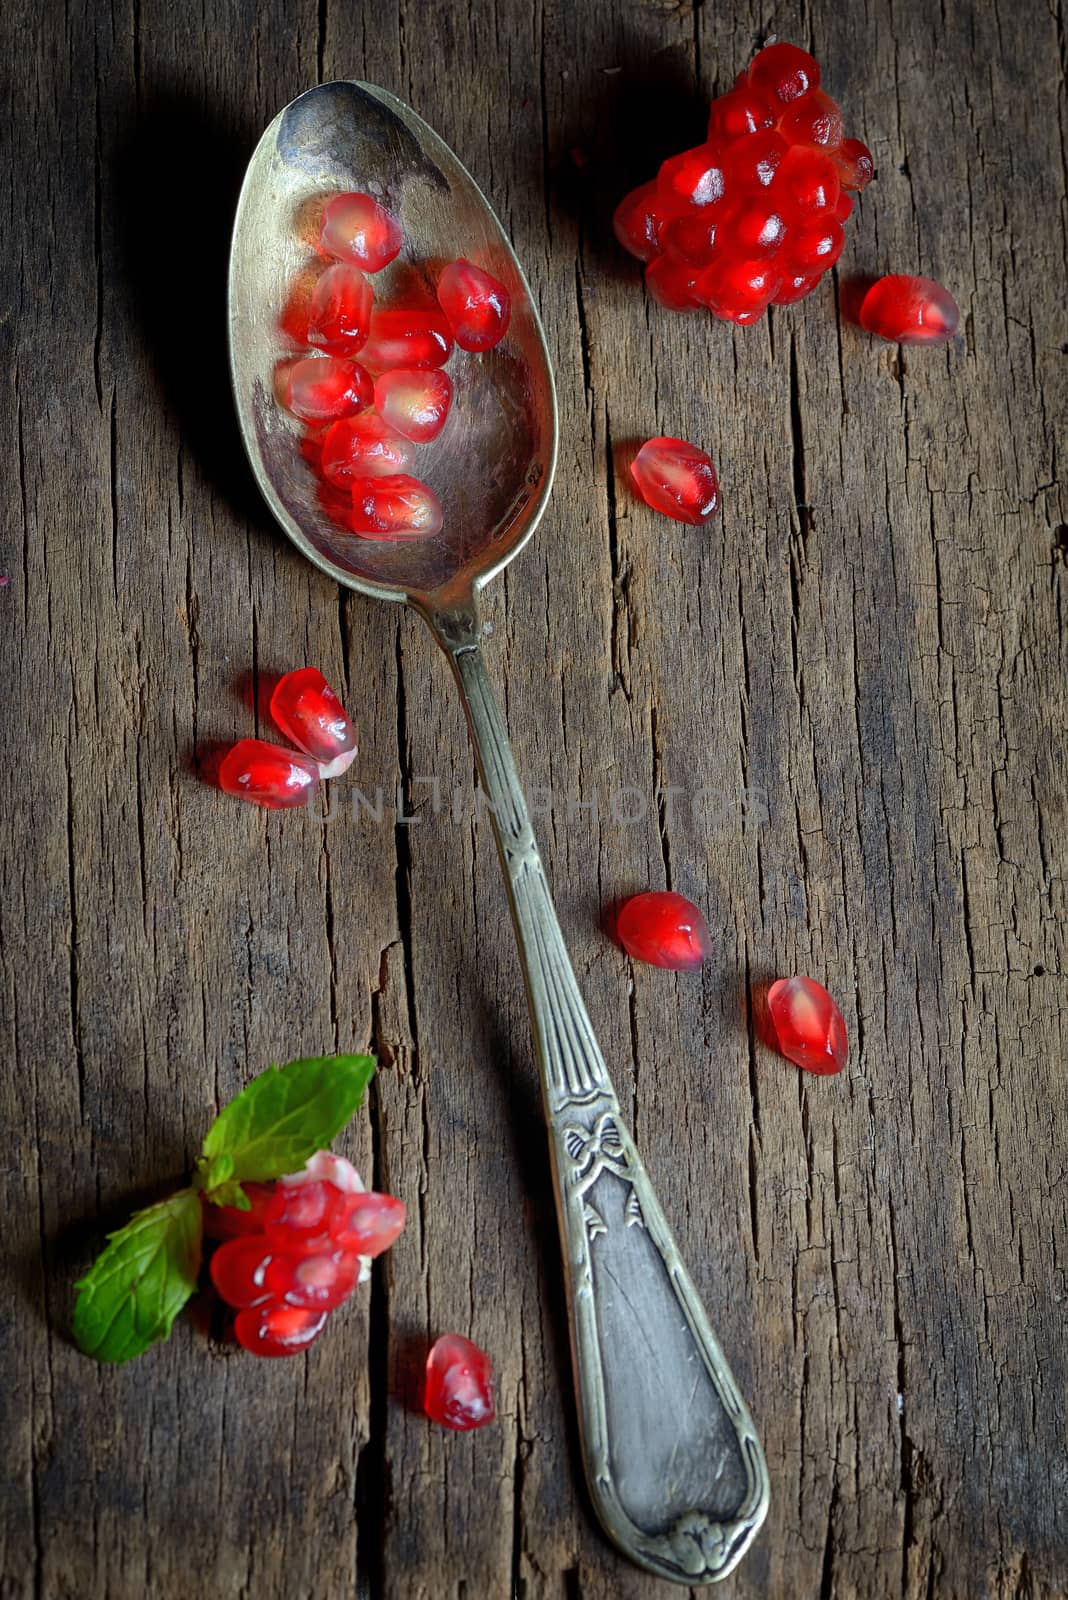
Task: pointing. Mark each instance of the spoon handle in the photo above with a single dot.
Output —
(672, 1459)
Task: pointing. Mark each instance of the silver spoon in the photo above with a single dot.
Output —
(672, 1459)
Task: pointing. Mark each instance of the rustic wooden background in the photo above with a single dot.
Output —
(861, 662)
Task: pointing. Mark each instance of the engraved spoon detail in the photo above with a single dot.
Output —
(673, 1462)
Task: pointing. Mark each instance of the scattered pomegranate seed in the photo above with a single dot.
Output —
(909, 310)
(339, 314)
(407, 339)
(664, 930)
(784, 72)
(357, 229)
(477, 305)
(395, 507)
(372, 1223)
(638, 222)
(239, 1271)
(228, 1222)
(414, 401)
(268, 775)
(309, 713)
(316, 1283)
(278, 1330)
(321, 390)
(808, 1025)
(677, 479)
(459, 1384)
(364, 447)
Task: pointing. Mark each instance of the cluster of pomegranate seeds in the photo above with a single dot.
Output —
(678, 479)
(309, 713)
(298, 1253)
(664, 930)
(808, 1025)
(459, 1384)
(753, 217)
(908, 310)
(365, 416)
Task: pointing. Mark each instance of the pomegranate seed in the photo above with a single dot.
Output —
(665, 930)
(316, 1283)
(855, 163)
(339, 316)
(738, 291)
(309, 713)
(372, 1224)
(908, 310)
(808, 1025)
(278, 1330)
(301, 1218)
(395, 507)
(325, 1167)
(227, 1222)
(364, 447)
(816, 244)
(814, 119)
(796, 288)
(691, 239)
(414, 401)
(740, 111)
(844, 209)
(459, 1384)
(692, 178)
(323, 390)
(672, 284)
(477, 305)
(752, 162)
(407, 339)
(268, 775)
(638, 221)
(239, 1271)
(677, 479)
(758, 231)
(784, 72)
(807, 181)
(357, 229)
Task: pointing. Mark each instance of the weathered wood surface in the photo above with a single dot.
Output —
(861, 663)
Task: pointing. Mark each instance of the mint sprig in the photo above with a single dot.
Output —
(129, 1298)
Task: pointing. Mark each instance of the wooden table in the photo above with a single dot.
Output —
(836, 718)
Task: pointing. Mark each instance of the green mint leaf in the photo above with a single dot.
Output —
(229, 1194)
(133, 1291)
(211, 1175)
(286, 1114)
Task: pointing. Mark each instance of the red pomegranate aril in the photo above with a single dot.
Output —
(758, 231)
(339, 315)
(364, 447)
(910, 310)
(672, 284)
(316, 1283)
(855, 163)
(806, 181)
(459, 1384)
(414, 401)
(677, 479)
(301, 1218)
(638, 222)
(783, 72)
(740, 111)
(692, 178)
(477, 305)
(357, 229)
(229, 1222)
(816, 244)
(808, 1025)
(308, 712)
(691, 239)
(323, 389)
(373, 1222)
(752, 162)
(739, 291)
(844, 209)
(239, 1271)
(814, 119)
(407, 339)
(796, 288)
(278, 1330)
(268, 775)
(395, 507)
(664, 930)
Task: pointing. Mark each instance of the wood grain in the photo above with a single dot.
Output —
(854, 682)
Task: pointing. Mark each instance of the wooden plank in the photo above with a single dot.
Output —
(841, 713)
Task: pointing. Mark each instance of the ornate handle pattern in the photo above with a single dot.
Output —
(672, 1459)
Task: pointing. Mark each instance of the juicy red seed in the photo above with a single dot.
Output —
(227, 1222)
(372, 1224)
(268, 775)
(752, 162)
(414, 401)
(690, 239)
(339, 316)
(395, 507)
(692, 178)
(357, 229)
(301, 1218)
(477, 305)
(808, 1025)
(459, 1384)
(844, 209)
(672, 284)
(239, 1270)
(316, 1283)
(740, 111)
(758, 230)
(278, 1330)
(638, 222)
(784, 72)
(814, 119)
(855, 163)
(909, 310)
(795, 288)
(325, 1167)
(677, 479)
(364, 447)
(738, 291)
(407, 339)
(323, 390)
(816, 244)
(308, 712)
(807, 181)
(665, 930)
